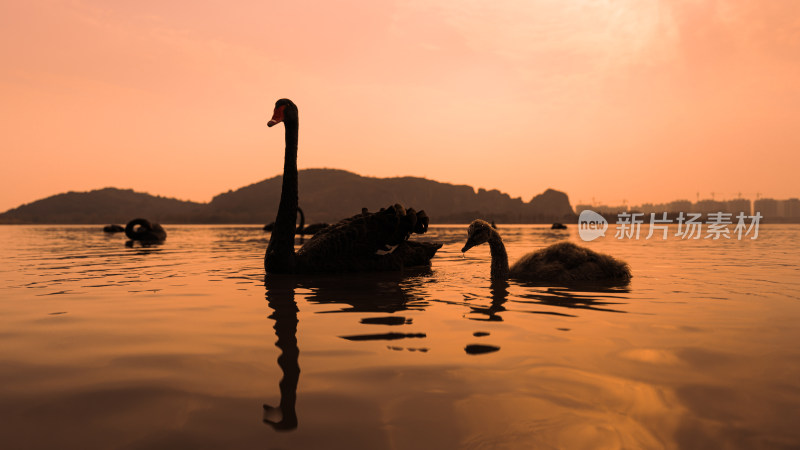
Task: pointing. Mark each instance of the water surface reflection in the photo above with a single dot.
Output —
(172, 347)
(381, 300)
(280, 298)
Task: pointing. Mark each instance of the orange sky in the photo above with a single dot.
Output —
(631, 99)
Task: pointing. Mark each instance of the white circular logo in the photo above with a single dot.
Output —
(591, 225)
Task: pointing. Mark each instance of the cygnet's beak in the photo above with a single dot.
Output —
(470, 243)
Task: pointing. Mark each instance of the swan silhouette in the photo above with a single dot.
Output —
(563, 262)
(143, 230)
(302, 228)
(365, 242)
(313, 228)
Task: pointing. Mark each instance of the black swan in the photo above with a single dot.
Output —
(563, 262)
(313, 228)
(302, 228)
(113, 229)
(143, 230)
(365, 242)
(558, 226)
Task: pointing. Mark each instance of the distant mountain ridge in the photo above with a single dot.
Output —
(326, 195)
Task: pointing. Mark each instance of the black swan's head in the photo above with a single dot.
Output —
(285, 110)
(478, 232)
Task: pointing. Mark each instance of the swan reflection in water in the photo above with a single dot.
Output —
(595, 297)
(499, 291)
(280, 298)
(378, 293)
(388, 294)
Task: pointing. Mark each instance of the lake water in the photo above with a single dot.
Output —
(181, 345)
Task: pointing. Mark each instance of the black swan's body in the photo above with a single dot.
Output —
(563, 262)
(113, 229)
(143, 230)
(558, 226)
(365, 242)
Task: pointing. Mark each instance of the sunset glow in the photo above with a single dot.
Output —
(643, 101)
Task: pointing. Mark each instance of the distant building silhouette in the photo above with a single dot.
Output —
(789, 208)
(679, 206)
(772, 210)
(739, 205)
(709, 206)
(767, 207)
(778, 210)
(602, 209)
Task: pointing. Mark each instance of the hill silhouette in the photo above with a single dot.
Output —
(109, 205)
(326, 195)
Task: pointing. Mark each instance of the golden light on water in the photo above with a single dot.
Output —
(167, 345)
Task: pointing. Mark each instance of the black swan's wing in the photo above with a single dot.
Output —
(369, 242)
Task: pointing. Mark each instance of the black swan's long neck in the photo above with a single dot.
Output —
(280, 251)
(499, 257)
(302, 219)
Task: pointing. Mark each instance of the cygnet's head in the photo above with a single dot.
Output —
(478, 232)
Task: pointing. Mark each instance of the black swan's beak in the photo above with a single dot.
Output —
(277, 116)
